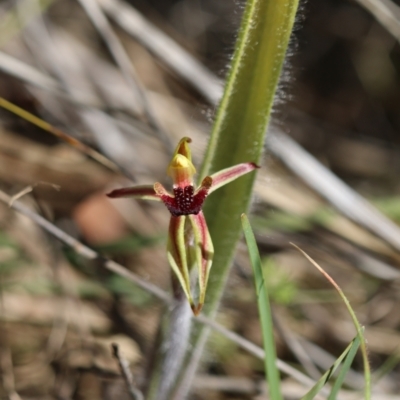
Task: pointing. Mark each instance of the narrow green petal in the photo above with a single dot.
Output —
(227, 175)
(145, 192)
(176, 253)
(204, 253)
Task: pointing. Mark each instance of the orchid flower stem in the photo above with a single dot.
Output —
(174, 341)
(238, 136)
(189, 249)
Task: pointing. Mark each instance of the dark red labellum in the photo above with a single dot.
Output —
(185, 202)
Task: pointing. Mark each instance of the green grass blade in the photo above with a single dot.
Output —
(240, 124)
(345, 368)
(271, 371)
(244, 111)
(325, 378)
(360, 333)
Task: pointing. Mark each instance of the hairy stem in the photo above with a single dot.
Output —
(173, 346)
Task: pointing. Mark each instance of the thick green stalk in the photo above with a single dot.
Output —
(241, 122)
(238, 136)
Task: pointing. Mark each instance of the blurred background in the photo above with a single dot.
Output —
(111, 74)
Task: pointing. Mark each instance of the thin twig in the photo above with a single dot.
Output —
(50, 48)
(32, 76)
(334, 190)
(85, 251)
(126, 373)
(230, 384)
(28, 189)
(165, 48)
(98, 19)
(255, 350)
(27, 116)
(39, 40)
(296, 347)
(159, 293)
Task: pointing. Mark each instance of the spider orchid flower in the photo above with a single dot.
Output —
(189, 242)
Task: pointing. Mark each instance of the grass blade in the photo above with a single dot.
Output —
(240, 124)
(345, 368)
(353, 346)
(271, 371)
(34, 120)
(360, 333)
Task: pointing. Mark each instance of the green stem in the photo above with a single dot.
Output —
(238, 136)
(174, 343)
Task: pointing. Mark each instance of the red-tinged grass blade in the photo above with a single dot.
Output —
(33, 119)
(345, 368)
(227, 175)
(352, 347)
(264, 309)
(367, 369)
(176, 253)
(204, 254)
(145, 192)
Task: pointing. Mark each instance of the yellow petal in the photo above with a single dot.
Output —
(183, 148)
(181, 170)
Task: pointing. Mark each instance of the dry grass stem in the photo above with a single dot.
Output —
(112, 266)
(120, 56)
(126, 373)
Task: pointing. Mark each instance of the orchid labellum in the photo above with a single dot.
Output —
(189, 242)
